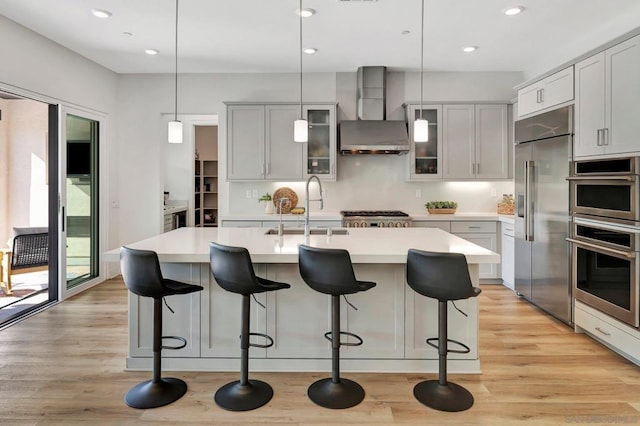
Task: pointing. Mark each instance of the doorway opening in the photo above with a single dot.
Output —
(28, 219)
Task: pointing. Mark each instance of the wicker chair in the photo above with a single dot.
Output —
(29, 253)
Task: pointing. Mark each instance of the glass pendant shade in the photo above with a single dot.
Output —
(301, 131)
(421, 130)
(175, 131)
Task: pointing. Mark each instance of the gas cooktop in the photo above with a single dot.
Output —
(373, 213)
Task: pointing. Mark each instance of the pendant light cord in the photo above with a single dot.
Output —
(421, 54)
(300, 13)
(176, 77)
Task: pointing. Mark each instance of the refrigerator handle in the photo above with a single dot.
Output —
(528, 194)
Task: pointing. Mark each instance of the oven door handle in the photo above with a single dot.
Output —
(627, 254)
(625, 178)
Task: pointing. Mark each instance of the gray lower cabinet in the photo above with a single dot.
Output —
(482, 233)
(180, 323)
(507, 255)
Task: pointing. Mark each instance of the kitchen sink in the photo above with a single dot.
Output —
(312, 231)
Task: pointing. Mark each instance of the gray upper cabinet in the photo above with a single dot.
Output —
(425, 157)
(245, 142)
(607, 99)
(260, 143)
(546, 93)
(319, 154)
(283, 155)
(475, 141)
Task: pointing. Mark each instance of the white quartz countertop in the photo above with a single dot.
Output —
(175, 206)
(365, 245)
(417, 216)
(285, 217)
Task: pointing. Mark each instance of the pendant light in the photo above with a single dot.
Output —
(175, 126)
(421, 125)
(300, 126)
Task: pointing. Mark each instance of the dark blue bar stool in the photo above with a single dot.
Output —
(142, 276)
(233, 271)
(330, 271)
(442, 276)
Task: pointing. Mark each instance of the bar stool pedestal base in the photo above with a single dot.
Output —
(344, 394)
(450, 397)
(236, 397)
(152, 394)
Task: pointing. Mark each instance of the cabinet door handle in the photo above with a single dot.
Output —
(268, 168)
(603, 332)
(473, 227)
(605, 136)
(473, 169)
(477, 168)
(598, 137)
(541, 96)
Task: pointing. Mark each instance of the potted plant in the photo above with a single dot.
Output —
(441, 207)
(268, 207)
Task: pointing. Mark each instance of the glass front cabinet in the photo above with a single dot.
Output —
(425, 157)
(320, 155)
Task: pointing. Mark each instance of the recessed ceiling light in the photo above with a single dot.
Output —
(469, 49)
(513, 10)
(151, 51)
(306, 12)
(309, 50)
(102, 14)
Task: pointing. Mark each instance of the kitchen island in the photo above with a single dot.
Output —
(393, 321)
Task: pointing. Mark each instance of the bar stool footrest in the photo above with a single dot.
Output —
(465, 349)
(178, 338)
(327, 336)
(257, 345)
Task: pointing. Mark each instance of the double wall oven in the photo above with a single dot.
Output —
(606, 236)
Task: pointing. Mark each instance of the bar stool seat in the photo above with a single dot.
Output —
(233, 271)
(330, 271)
(445, 277)
(142, 276)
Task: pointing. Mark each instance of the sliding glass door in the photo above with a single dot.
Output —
(79, 207)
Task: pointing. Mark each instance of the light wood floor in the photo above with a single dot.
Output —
(65, 366)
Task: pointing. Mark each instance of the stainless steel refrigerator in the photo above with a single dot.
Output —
(543, 153)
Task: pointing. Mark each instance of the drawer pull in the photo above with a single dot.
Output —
(603, 332)
(474, 227)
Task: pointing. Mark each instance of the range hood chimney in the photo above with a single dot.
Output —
(372, 133)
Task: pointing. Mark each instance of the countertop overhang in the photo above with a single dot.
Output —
(365, 245)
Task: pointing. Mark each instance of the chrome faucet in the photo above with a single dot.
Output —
(306, 209)
(281, 201)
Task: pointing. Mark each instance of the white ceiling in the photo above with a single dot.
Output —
(262, 35)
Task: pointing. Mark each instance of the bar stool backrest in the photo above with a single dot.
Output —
(141, 272)
(327, 271)
(233, 270)
(442, 276)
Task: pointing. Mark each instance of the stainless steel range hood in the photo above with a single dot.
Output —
(371, 133)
